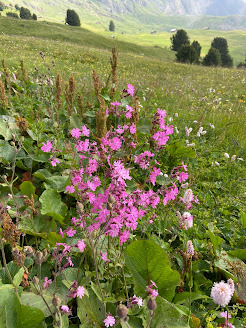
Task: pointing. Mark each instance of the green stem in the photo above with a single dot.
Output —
(7, 269)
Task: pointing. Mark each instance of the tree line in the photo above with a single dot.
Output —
(218, 54)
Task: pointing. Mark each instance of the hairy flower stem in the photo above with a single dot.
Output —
(7, 269)
(96, 271)
(123, 273)
(151, 314)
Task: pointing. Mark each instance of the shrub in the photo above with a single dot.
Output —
(213, 58)
(187, 54)
(72, 18)
(34, 17)
(11, 14)
(196, 45)
(179, 39)
(111, 26)
(221, 44)
(25, 13)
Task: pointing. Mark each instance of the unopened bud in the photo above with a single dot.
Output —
(121, 311)
(29, 250)
(35, 280)
(151, 304)
(80, 207)
(56, 301)
(109, 206)
(111, 199)
(39, 257)
(45, 253)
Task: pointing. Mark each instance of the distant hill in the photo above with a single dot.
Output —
(146, 14)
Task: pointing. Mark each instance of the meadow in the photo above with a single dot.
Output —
(122, 184)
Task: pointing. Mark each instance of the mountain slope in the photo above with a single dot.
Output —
(145, 14)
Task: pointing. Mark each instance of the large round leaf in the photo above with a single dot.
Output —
(148, 261)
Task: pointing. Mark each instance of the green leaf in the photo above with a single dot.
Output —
(57, 182)
(91, 311)
(6, 151)
(239, 253)
(166, 315)
(216, 240)
(30, 317)
(147, 261)
(75, 122)
(182, 297)
(144, 125)
(243, 218)
(36, 301)
(27, 188)
(42, 174)
(9, 307)
(52, 205)
(18, 277)
(5, 131)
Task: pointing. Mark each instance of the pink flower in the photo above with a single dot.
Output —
(224, 315)
(130, 89)
(115, 143)
(81, 245)
(133, 128)
(183, 176)
(47, 282)
(65, 309)
(70, 232)
(123, 236)
(70, 189)
(109, 321)
(76, 133)
(154, 174)
(54, 161)
(104, 256)
(46, 148)
(80, 291)
(187, 220)
(85, 131)
(136, 300)
(221, 293)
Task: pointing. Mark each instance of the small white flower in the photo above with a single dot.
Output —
(233, 157)
(176, 129)
(240, 158)
(217, 163)
(170, 119)
(165, 175)
(191, 145)
(203, 132)
(176, 114)
(221, 293)
(226, 155)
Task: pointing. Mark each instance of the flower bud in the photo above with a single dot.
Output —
(35, 280)
(29, 250)
(80, 207)
(39, 257)
(151, 304)
(111, 199)
(121, 311)
(56, 301)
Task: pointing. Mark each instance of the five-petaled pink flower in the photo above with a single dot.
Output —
(109, 321)
(70, 189)
(46, 148)
(47, 282)
(130, 89)
(80, 291)
(54, 161)
(76, 133)
(81, 245)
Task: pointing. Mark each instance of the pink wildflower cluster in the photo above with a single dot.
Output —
(150, 289)
(161, 136)
(135, 300)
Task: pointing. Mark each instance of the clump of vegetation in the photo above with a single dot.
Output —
(111, 26)
(11, 14)
(26, 14)
(72, 18)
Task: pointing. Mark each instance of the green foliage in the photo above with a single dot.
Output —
(25, 13)
(34, 17)
(52, 205)
(178, 39)
(11, 14)
(72, 18)
(187, 54)
(213, 58)
(148, 261)
(196, 45)
(111, 26)
(221, 44)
